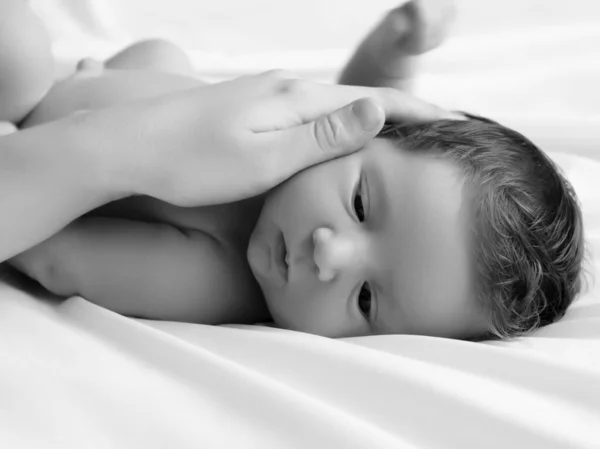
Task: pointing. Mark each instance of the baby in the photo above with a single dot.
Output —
(457, 229)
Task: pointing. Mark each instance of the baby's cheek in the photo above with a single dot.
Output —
(314, 309)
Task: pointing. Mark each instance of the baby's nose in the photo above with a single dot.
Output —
(333, 253)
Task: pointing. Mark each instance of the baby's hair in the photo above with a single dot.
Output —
(528, 245)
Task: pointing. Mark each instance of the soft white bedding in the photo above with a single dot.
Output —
(74, 375)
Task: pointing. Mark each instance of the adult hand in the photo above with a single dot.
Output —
(232, 140)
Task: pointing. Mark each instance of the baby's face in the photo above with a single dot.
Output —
(375, 243)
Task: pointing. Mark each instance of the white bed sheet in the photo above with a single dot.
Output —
(74, 375)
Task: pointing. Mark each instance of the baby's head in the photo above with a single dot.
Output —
(459, 229)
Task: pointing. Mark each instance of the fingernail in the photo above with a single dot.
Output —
(367, 113)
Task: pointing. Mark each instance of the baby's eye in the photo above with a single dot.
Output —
(358, 203)
(364, 299)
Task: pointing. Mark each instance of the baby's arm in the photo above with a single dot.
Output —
(147, 270)
(387, 56)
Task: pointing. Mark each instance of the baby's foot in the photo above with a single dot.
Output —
(414, 27)
(386, 56)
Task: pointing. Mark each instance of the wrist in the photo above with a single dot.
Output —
(102, 169)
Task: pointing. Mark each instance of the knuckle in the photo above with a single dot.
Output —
(284, 82)
(267, 79)
(291, 86)
(329, 132)
(277, 76)
(275, 73)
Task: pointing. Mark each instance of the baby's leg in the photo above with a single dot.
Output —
(153, 54)
(386, 57)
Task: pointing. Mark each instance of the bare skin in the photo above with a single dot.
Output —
(202, 248)
(147, 258)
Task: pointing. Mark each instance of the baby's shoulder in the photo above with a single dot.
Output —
(217, 278)
(218, 221)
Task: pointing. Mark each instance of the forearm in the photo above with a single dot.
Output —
(49, 175)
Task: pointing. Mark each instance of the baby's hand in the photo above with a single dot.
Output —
(415, 27)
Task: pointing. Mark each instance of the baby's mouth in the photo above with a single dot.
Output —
(282, 257)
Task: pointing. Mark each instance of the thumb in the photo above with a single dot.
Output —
(7, 128)
(342, 132)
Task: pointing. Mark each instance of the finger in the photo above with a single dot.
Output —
(399, 106)
(271, 80)
(310, 100)
(7, 128)
(342, 132)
